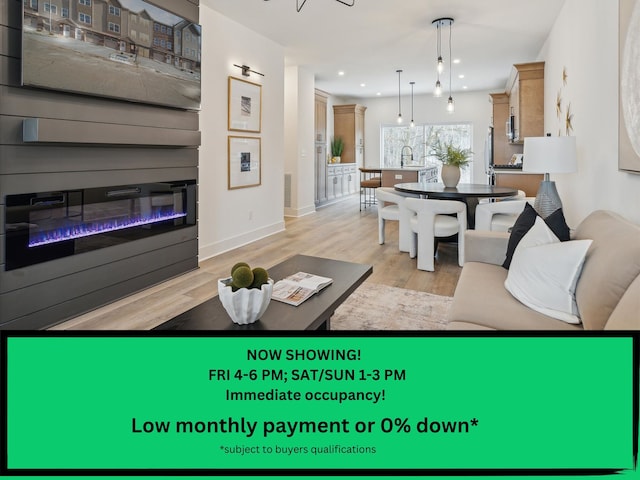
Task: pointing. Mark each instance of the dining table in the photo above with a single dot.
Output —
(469, 193)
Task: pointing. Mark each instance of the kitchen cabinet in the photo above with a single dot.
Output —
(321, 174)
(334, 182)
(321, 116)
(503, 149)
(526, 100)
(527, 182)
(349, 179)
(341, 180)
(348, 123)
(320, 147)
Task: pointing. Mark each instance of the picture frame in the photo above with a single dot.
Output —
(244, 106)
(245, 163)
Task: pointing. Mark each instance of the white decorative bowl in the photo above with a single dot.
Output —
(245, 305)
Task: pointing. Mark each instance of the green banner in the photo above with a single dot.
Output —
(224, 404)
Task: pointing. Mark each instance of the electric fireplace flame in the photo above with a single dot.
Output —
(45, 226)
(88, 229)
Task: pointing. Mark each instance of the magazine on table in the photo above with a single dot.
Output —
(296, 288)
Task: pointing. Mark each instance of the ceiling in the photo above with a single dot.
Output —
(374, 38)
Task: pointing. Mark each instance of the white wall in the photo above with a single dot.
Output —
(299, 139)
(230, 218)
(584, 40)
(471, 107)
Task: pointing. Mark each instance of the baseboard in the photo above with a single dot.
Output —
(217, 248)
(299, 212)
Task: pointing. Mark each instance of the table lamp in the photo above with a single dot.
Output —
(549, 155)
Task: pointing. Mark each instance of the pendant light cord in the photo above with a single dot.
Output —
(450, 25)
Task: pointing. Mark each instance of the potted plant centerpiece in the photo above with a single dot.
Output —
(246, 294)
(453, 158)
(337, 146)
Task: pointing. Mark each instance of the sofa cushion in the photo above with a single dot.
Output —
(611, 265)
(544, 272)
(481, 299)
(526, 220)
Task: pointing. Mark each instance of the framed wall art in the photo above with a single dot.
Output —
(245, 106)
(245, 166)
(629, 121)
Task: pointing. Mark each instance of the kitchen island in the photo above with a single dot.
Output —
(409, 174)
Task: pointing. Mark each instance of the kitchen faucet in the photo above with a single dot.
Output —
(402, 155)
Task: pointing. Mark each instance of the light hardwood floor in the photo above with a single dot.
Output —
(339, 231)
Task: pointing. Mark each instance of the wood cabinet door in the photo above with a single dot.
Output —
(321, 173)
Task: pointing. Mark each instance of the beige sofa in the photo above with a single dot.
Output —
(607, 292)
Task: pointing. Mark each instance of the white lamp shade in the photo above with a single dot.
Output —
(549, 155)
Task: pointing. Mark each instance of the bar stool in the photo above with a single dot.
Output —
(370, 179)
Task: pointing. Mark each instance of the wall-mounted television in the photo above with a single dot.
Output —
(125, 49)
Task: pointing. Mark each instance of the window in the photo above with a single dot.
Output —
(177, 33)
(114, 27)
(85, 2)
(50, 8)
(162, 43)
(156, 27)
(394, 138)
(65, 12)
(163, 29)
(169, 45)
(187, 37)
(156, 42)
(169, 31)
(84, 18)
(34, 4)
(114, 11)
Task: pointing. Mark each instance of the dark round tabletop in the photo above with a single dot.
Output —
(463, 190)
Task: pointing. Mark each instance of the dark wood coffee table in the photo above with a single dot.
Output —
(313, 314)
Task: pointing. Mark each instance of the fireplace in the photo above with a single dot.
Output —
(45, 226)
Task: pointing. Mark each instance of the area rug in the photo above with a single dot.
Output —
(380, 307)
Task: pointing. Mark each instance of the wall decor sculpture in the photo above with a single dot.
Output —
(629, 111)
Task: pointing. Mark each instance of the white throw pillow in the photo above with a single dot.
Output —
(544, 273)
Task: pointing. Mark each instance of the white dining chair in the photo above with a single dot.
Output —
(434, 219)
(500, 216)
(391, 206)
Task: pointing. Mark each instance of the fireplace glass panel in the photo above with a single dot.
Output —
(49, 225)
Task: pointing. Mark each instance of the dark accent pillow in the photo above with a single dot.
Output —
(556, 222)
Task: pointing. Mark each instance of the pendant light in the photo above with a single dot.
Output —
(399, 103)
(440, 66)
(450, 105)
(412, 123)
(439, 23)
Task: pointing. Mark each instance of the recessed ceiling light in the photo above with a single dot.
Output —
(378, 94)
(341, 73)
(363, 84)
(464, 87)
(456, 60)
(461, 76)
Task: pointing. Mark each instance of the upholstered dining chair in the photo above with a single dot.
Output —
(391, 207)
(435, 219)
(500, 216)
